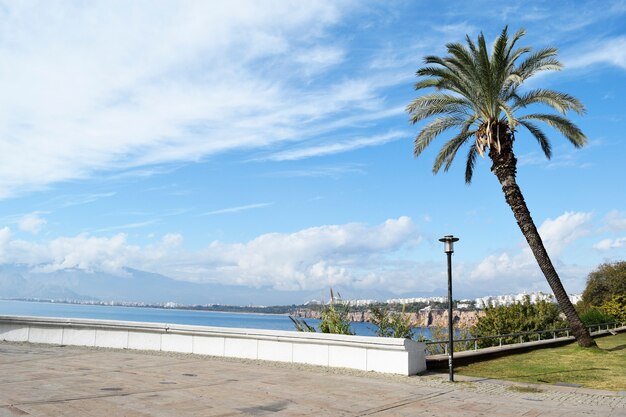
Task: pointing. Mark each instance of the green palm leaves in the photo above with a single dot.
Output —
(477, 94)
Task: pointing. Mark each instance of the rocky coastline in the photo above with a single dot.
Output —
(463, 319)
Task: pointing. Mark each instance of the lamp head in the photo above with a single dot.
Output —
(448, 243)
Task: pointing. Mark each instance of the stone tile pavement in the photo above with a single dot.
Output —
(44, 380)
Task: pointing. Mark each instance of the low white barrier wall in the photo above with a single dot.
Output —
(388, 355)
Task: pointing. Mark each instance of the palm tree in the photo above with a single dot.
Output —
(478, 95)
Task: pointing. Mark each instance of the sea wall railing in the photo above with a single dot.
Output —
(474, 343)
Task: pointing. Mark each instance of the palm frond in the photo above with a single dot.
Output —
(563, 125)
(428, 82)
(514, 56)
(436, 72)
(500, 46)
(540, 136)
(499, 61)
(462, 59)
(471, 44)
(434, 104)
(542, 60)
(484, 70)
(508, 112)
(561, 102)
(469, 165)
(448, 151)
(434, 129)
(518, 35)
(458, 74)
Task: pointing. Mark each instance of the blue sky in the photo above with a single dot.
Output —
(266, 144)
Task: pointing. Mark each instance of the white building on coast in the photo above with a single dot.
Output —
(508, 299)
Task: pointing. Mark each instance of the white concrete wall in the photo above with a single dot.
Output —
(397, 356)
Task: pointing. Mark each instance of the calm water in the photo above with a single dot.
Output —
(173, 316)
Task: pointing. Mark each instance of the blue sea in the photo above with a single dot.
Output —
(170, 316)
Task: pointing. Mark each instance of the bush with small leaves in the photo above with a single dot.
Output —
(615, 307)
(517, 318)
(594, 316)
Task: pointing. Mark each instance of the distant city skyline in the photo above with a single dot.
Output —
(480, 302)
(268, 148)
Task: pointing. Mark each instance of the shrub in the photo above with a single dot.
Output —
(334, 319)
(517, 318)
(392, 323)
(593, 316)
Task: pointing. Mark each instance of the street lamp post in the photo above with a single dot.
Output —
(448, 248)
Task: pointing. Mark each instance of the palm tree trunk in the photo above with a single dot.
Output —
(505, 168)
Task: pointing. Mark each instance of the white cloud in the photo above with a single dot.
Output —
(336, 147)
(504, 265)
(319, 58)
(5, 239)
(88, 253)
(519, 270)
(565, 229)
(604, 51)
(65, 201)
(127, 226)
(565, 159)
(335, 171)
(172, 239)
(82, 251)
(109, 86)
(31, 223)
(237, 209)
(350, 254)
(615, 221)
(608, 244)
(456, 30)
(310, 258)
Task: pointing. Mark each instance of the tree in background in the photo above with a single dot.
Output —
(604, 298)
(478, 94)
(616, 308)
(607, 281)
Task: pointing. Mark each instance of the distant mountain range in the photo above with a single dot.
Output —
(18, 281)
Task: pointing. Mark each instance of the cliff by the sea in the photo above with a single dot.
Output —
(463, 319)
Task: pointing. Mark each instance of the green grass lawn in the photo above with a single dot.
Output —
(600, 368)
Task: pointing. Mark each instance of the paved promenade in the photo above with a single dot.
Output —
(37, 380)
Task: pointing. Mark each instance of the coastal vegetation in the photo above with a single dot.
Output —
(517, 318)
(392, 323)
(479, 94)
(522, 319)
(333, 318)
